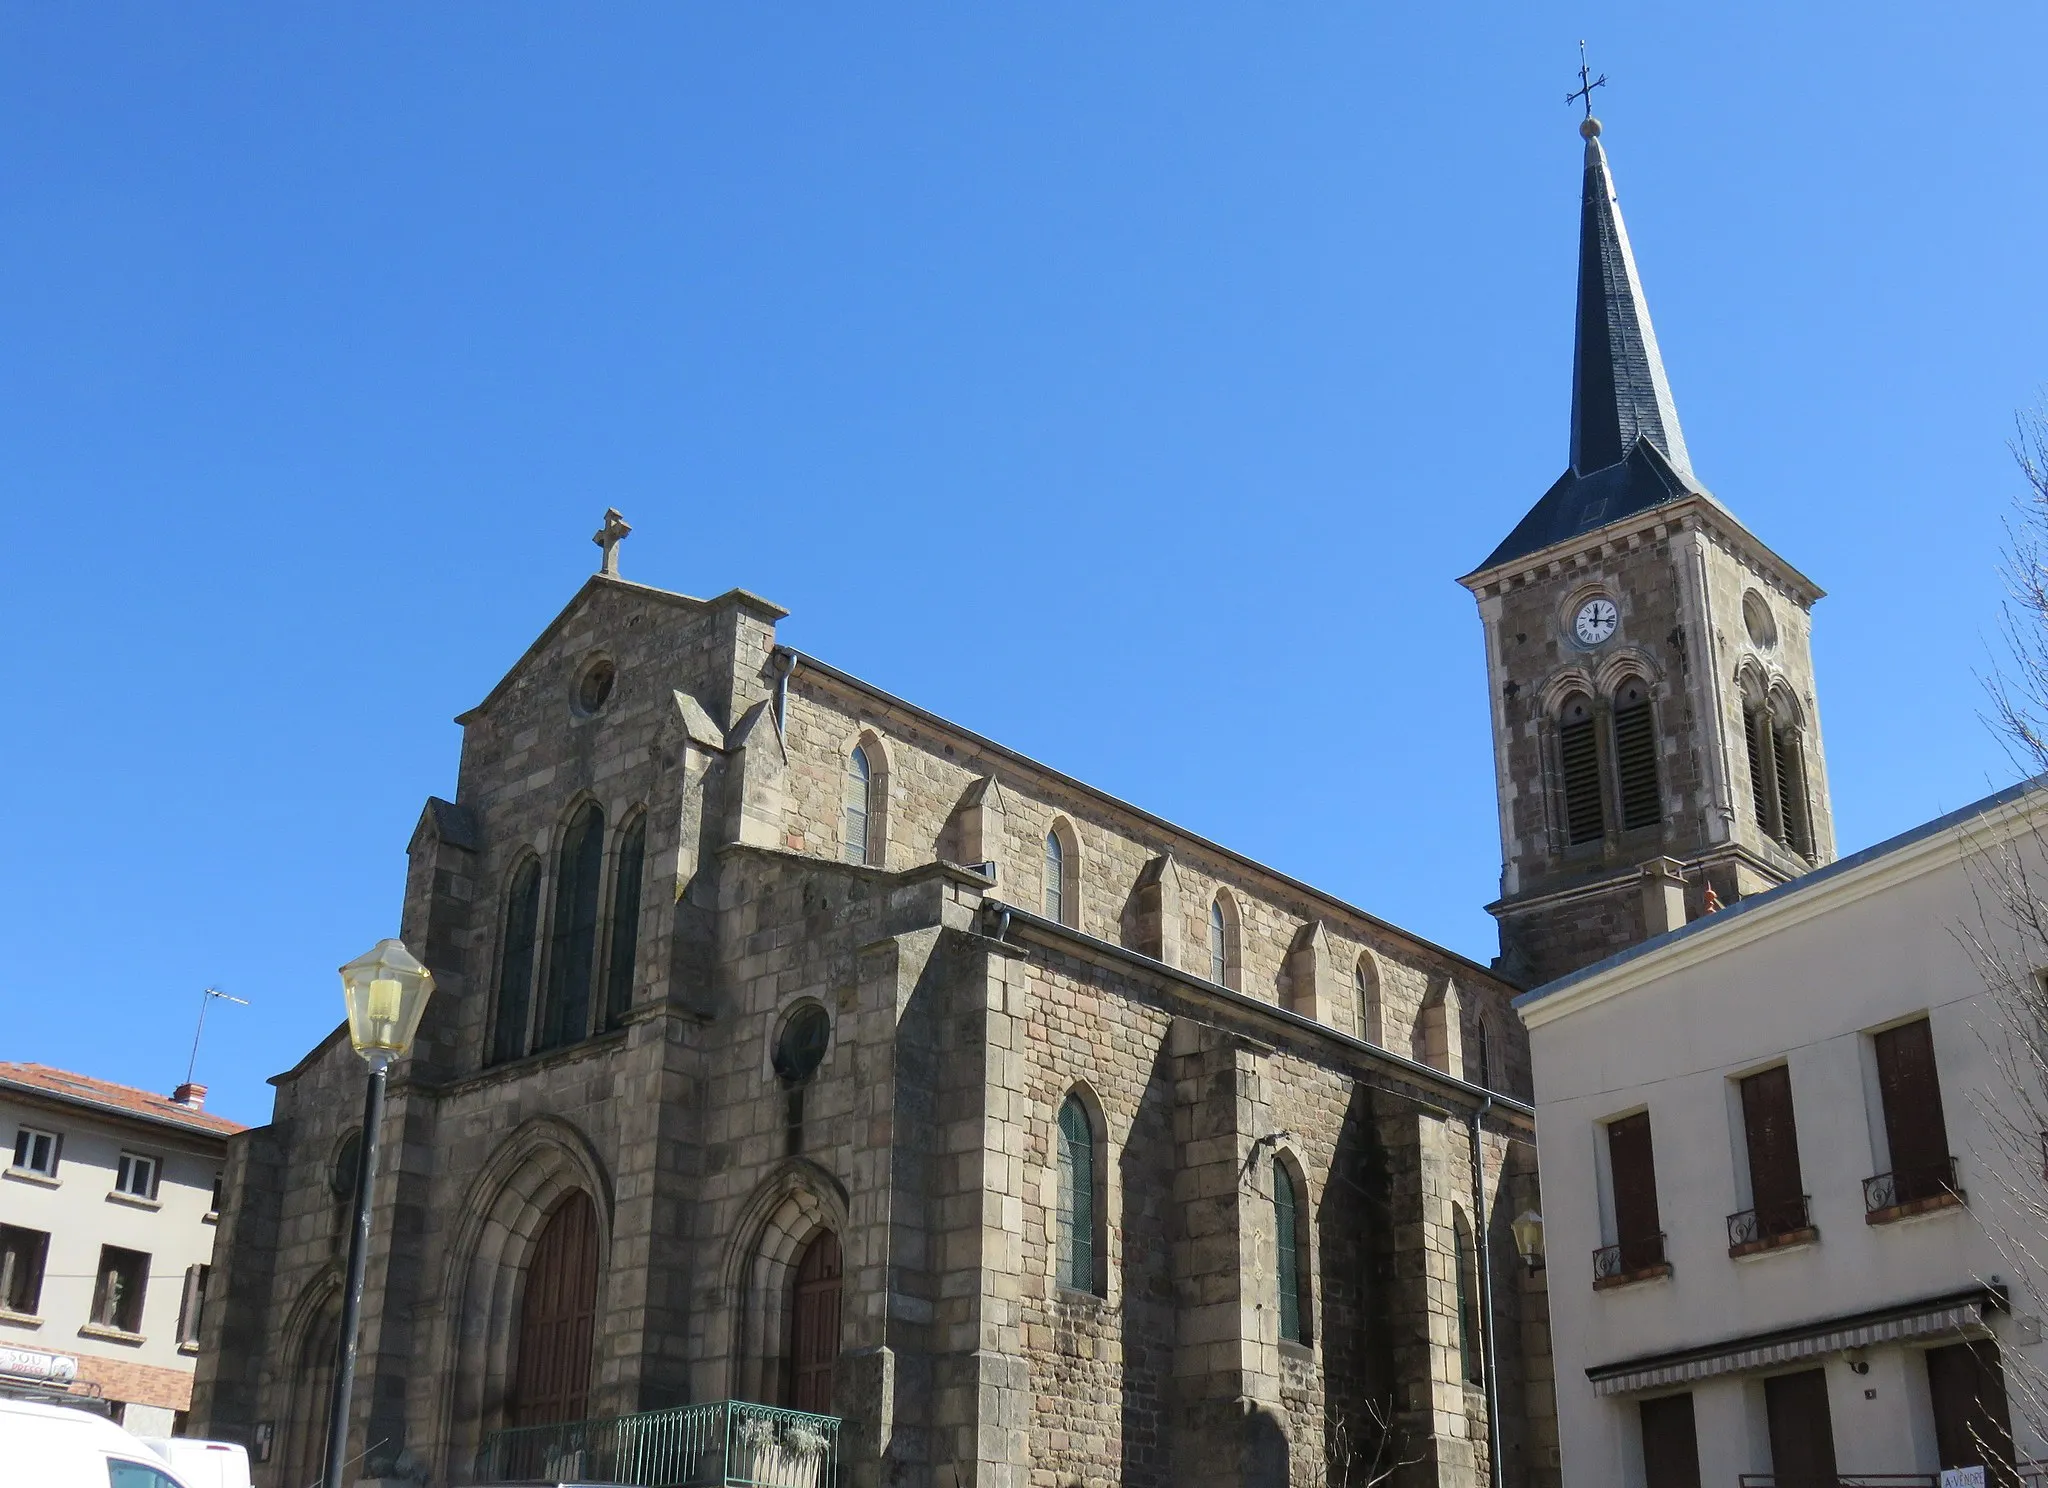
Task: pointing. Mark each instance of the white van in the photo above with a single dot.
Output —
(203, 1464)
(55, 1446)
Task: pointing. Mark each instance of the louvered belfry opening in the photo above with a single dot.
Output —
(1635, 757)
(1777, 772)
(557, 1312)
(1578, 743)
(814, 1326)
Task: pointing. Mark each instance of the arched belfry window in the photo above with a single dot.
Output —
(860, 784)
(572, 943)
(1635, 757)
(1777, 769)
(1290, 1247)
(1578, 758)
(1077, 1238)
(625, 937)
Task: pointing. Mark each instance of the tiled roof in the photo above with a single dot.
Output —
(122, 1100)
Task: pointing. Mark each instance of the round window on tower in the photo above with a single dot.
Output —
(800, 1048)
(1756, 619)
(594, 688)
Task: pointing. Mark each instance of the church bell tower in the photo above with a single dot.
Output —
(1656, 733)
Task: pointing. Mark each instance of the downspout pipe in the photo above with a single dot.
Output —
(1489, 1362)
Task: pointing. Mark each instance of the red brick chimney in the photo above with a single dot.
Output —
(191, 1097)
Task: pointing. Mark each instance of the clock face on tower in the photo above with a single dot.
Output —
(1595, 621)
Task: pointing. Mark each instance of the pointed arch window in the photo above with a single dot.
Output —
(572, 947)
(1467, 1296)
(1224, 950)
(625, 941)
(1055, 878)
(1077, 1207)
(1365, 988)
(1289, 1254)
(1635, 757)
(860, 780)
(1578, 754)
(515, 962)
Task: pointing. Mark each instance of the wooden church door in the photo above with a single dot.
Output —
(814, 1326)
(556, 1315)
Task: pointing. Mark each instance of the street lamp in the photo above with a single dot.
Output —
(1528, 1228)
(386, 990)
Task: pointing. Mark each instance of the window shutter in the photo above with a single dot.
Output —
(1775, 1187)
(1633, 1165)
(1914, 1126)
(1579, 753)
(1757, 729)
(1972, 1427)
(1802, 1431)
(1671, 1447)
(1791, 819)
(1635, 754)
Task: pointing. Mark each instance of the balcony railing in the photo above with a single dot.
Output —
(723, 1444)
(1911, 1191)
(1638, 1259)
(1780, 1222)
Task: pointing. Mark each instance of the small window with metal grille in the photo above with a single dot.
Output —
(1578, 744)
(859, 777)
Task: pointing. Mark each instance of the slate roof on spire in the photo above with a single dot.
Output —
(1628, 453)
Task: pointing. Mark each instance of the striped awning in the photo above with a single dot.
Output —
(1958, 1313)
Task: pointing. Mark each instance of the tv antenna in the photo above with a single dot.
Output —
(206, 1001)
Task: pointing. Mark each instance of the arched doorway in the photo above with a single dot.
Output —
(312, 1392)
(557, 1312)
(814, 1326)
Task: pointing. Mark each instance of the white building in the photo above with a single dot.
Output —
(108, 1207)
(1774, 1180)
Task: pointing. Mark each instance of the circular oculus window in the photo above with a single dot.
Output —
(1756, 619)
(594, 688)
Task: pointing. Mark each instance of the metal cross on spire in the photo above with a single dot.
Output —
(1587, 83)
(609, 537)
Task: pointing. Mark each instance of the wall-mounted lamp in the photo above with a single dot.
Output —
(1528, 1228)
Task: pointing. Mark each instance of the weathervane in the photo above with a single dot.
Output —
(1587, 83)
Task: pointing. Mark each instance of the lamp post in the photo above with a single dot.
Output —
(386, 989)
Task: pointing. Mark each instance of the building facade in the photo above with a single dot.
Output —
(109, 1207)
(1794, 1230)
(795, 1045)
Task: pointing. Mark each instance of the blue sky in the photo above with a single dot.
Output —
(1129, 383)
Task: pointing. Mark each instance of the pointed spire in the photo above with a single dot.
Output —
(1628, 454)
(1619, 391)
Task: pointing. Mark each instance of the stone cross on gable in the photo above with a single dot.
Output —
(609, 537)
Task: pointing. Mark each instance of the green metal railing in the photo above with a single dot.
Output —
(723, 1444)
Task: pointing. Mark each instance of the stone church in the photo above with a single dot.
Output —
(794, 1045)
